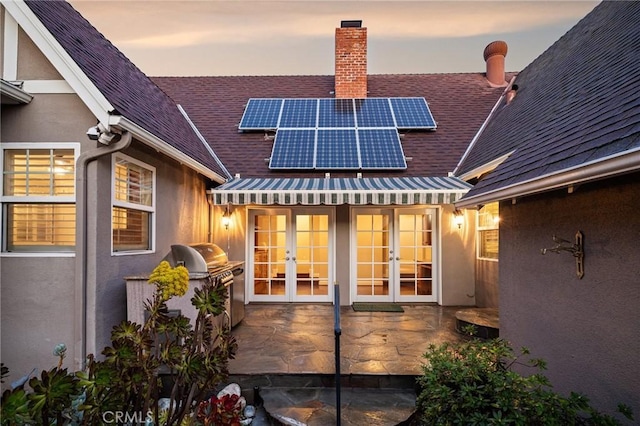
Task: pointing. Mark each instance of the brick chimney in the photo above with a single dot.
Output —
(494, 55)
(351, 60)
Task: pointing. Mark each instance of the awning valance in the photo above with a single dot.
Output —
(335, 191)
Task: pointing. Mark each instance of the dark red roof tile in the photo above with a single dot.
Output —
(459, 102)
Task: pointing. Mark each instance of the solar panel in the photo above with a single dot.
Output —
(293, 149)
(412, 113)
(381, 149)
(299, 113)
(336, 113)
(373, 112)
(337, 149)
(261, 114)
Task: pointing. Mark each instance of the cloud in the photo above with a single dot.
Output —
(158, 24)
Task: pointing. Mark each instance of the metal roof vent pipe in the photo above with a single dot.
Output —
(494, 55)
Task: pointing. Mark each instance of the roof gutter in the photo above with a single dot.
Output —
(160, 145)
(14, 92)
(611, 166)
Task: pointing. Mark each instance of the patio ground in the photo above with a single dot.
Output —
(300, 339)
(288, 350)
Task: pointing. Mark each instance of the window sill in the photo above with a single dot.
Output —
(131, 253)
(37, 254)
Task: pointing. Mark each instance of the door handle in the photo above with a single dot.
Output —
(293, 258)
(286, 258)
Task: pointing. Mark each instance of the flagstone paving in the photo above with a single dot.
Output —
(288, 350)
(299, 338)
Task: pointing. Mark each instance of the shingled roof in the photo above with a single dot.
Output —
(459, 102)
(132, 94)
(577, 105)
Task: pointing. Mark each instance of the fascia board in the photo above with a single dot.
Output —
(485, 168)
(60, 59)
(611, 166)
(160, 145)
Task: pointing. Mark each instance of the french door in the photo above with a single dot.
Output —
(292, 251)
(394, 255)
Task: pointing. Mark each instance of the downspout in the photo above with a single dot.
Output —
(80, 325)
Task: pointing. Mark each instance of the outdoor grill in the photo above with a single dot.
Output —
(209, 258)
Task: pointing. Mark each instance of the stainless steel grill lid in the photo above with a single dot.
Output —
(203, 258)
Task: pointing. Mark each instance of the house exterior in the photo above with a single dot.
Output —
(563, 158)
(94, 157)
(382, 234)
(103, 169)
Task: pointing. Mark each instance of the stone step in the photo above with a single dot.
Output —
(310, 399)
(359, 406)
(485, 320)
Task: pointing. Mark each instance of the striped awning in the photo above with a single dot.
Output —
(335, 191)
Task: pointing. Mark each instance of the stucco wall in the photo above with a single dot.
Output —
(586, 329)
(457, 252)
(32, 64)
(33, 321)
(38, 292)
(487, 291)
(181, 218)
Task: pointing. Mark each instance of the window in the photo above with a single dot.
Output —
(38, 197)
(488, 233)
(133, 205)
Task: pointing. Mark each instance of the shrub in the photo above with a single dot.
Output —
(473, 383)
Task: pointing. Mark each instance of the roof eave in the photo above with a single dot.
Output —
(60, 59)
(160, 145)
(611, 166)
(14, 93)
(486, 168)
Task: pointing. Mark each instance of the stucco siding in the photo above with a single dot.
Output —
(48, 118)
(587, 329)
(37, 311)
(181, 218)
(32, 64)
(487, 292)
(457, 252)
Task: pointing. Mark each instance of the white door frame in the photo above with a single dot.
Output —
(394, 245)
(290, 255)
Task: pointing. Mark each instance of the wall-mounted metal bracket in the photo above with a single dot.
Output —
(576, 250)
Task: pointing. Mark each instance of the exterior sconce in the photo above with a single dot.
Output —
(458, 218)
(226, 218)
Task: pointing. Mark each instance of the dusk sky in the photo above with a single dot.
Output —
(211, 37)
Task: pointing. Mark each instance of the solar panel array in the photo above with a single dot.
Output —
(338, 134)
(277, 113)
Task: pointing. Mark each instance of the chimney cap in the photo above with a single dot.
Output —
(354, 23)
(497, 47)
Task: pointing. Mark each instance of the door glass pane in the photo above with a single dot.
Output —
(312, 248)
(415, 254)
(269, 254)
(372, 237)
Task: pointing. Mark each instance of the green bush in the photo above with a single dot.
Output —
(472, 383)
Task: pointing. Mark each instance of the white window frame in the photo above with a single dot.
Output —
(127, 205)
(480, 229)
(45, 199)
